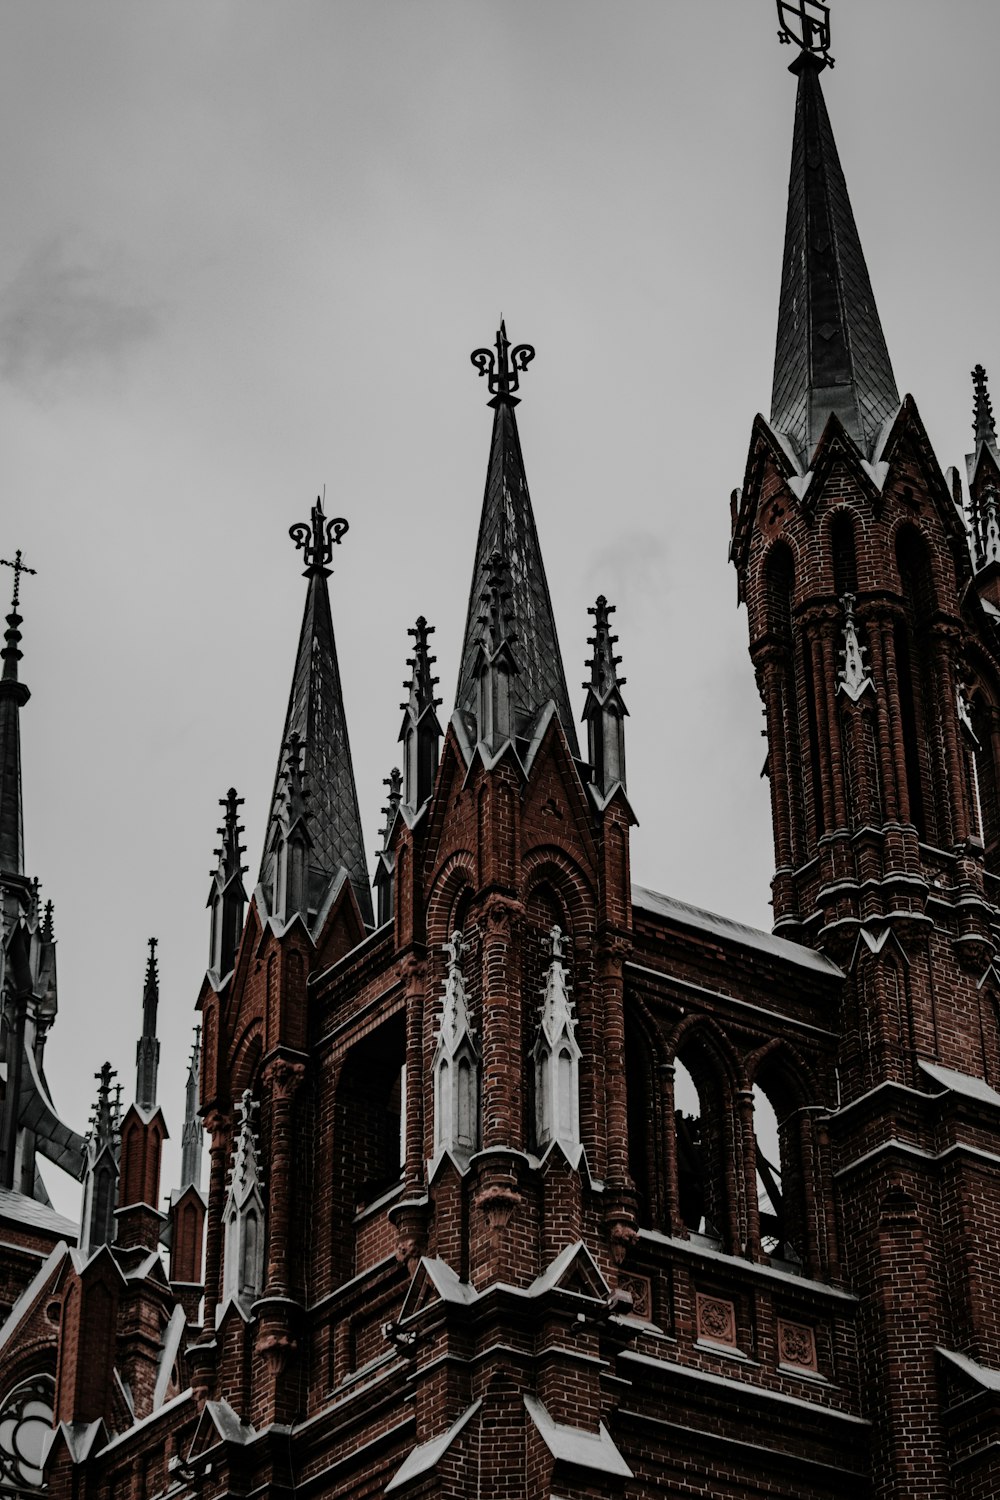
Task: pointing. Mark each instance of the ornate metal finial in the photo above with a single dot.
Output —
(807, 24)
(983, 424)
(19, 568)
(151, 971)
(317, 538)
(504, 367)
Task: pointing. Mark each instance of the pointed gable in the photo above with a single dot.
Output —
(831, 354)
(507, 527)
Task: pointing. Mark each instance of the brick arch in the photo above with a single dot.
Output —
(709, 1038)
(905, 531)
(648, 1114)
(719, 1077)
(780, 1068)
(448, 884)
(245, 1056)
(549, 864)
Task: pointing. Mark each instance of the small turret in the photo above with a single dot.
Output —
(227, 897)
(191, 1138)
(421, 732)
(147, 1052)
(100, 1177)
(604, 710)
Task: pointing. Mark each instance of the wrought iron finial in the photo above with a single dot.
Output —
(317, 538)
(807, 24)
(19, 568)
(503, 366)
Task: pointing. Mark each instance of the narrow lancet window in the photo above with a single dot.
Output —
(556, 1058)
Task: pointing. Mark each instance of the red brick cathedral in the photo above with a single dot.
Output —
(524, 1182)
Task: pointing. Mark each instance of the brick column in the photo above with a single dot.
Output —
(282, 1078)
(218, 1126)
(612, 949)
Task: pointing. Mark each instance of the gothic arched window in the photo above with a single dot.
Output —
(25, 1426)
(778, 1168)
(917, 716)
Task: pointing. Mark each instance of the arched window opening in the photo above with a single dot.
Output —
(691, 1165)
(919, 722)
(778, 1174)
(643, 1105)
(845, 567)
(700, 1131)
(779, 580)
(368, 1126)
(25, 1430)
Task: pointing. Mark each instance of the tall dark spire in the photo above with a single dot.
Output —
(507, 527)
(13, 695)
(831, 354)
(147, 1052)
(316, 715)
(983, 424)
(100, 1177)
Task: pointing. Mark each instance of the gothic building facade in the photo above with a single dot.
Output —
(523, 1180)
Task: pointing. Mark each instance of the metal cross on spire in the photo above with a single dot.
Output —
(19, 568)
(317, 538)
(503, 366)
(807, 24)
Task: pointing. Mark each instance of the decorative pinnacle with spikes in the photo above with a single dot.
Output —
(495, 618)
(296, 794)
(503, 367)
(983, 424)
(421, 682)
(317, 538)
(103, 1118)
(152, 974)
(11, 653)
(807, 24)
(48, 923)
(603, 664)
(394, 781)
(231, 850)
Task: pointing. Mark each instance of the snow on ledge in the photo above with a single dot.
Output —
(734, 932)
(425, 1456)
(572, 1445)
(960, 1083)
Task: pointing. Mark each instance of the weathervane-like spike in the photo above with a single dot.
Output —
(503, 367)
(19, 568)
(807, 24)
(317, 538)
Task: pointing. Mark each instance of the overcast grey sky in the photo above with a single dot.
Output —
(246, 250)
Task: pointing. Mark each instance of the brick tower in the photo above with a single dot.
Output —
(531, 1182)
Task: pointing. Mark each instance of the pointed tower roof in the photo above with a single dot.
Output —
(147, 1052)
(192, 1135)
(13, 695)
(831, 353)
(507, 526)
(316, 715)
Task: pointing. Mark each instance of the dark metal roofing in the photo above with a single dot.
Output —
(831, 353)
(316, 714)
(507, 526)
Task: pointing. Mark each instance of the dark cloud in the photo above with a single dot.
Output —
(71, 306)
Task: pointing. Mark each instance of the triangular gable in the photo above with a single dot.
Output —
(46, 1280)
(218, 1424)
(426, 1456)
(553, 751)
(573, 1270)
(435, 1281)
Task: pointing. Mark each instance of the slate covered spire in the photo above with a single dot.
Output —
(14, 695)
(147, 1052)
(831, 353)
(507, 527)
(316, 716)
(604, 710)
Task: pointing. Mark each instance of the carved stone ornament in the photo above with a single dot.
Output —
(498, 1205)
(640, 1289)
(797, 1345)
(283, 1077)
(716, 1320)
(853, 676)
